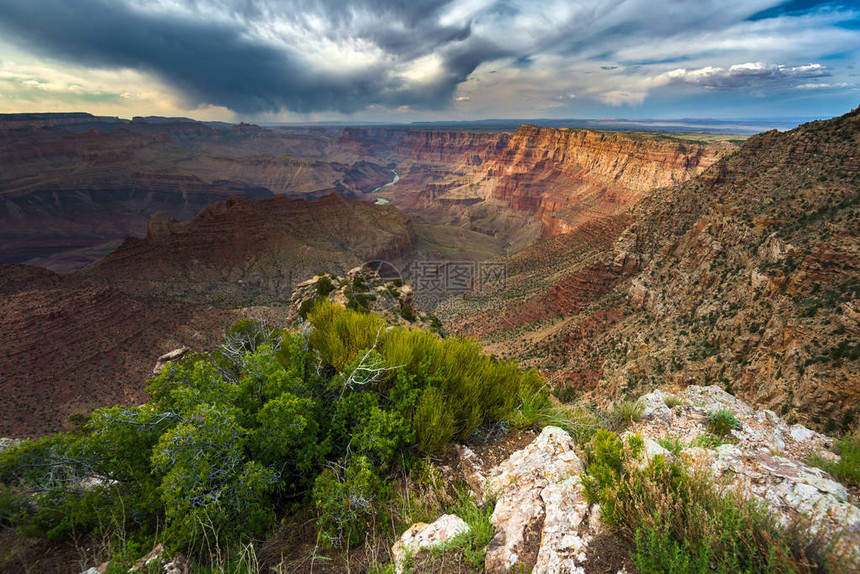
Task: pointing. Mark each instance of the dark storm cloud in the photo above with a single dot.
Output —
(221, 61)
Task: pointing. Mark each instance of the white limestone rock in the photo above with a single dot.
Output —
(546, 470)
(423, 536)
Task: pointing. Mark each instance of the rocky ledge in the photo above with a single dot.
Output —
(543, 523)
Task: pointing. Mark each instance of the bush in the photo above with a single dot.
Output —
(625, 413)
(471, 545)
(306, 307)
(324, 286)
(273, 419)
(408, 314)
(434, 420)
(12, 504)
(345, 495)
(721, 422)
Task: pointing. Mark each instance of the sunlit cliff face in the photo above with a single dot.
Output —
(461, 59)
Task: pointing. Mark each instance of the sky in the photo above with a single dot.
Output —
(421, 60)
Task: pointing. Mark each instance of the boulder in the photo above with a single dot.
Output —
(423, 536)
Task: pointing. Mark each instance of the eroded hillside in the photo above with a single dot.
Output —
(241, 251)
(72, 343)
(746, 276)
(74, 186)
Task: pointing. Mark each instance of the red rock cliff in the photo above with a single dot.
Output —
(570, 176)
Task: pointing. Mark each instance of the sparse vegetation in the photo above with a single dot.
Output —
(673, 401)
(847, 468)
(680, 521)
(472, 545)
(672, 444)
(707, 441)
(625, 413)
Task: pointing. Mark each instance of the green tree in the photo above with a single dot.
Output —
(208, 486)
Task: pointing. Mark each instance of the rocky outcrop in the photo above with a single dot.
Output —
(154, 561)
(543, 524)
(539, 506)
(169, 357)
(764, 459)
(360, 288)
(423, 536)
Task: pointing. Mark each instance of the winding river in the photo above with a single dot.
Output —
(382, 200)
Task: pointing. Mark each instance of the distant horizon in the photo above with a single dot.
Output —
(746, 125)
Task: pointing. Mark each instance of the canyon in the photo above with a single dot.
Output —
(75, 186)
(746, 276)
(631, 260)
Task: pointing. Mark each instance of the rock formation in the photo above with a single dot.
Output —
(422, 536)
(361, 288)
(544, 525)
(569, 177)
(74, 185)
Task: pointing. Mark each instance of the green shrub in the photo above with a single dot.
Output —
(658, 552)
(324, 286)
(324, 415)
(604, 460)
(534, 409)
(345, 495)
(721, 422)
(408, 314)
(12, 504)
(208, 486)
(707, 441)
(471, 545)
(306, 307)
(847, 468)
(338, 336)
(436, 326)
(672, 444)
(434, 421)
